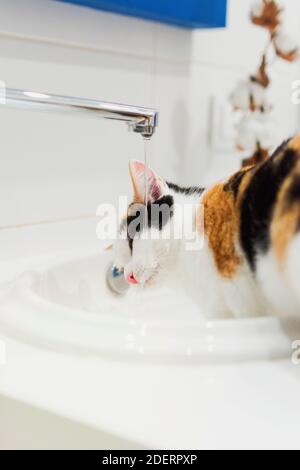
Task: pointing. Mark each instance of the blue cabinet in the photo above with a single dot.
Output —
(185, 13)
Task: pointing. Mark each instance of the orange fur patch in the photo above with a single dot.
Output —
(221, 226)
(249, 172)
(295, 143)
(239, 176)
(282, 232)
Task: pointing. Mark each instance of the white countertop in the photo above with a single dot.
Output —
(251, 405)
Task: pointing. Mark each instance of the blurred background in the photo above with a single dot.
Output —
(56, 167)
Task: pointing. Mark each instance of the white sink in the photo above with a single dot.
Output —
(67, 307)
(112, 370)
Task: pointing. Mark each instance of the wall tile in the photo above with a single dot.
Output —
(33, 241)
(74, 72)
(173, 43)
(171, 99)
(47, 157)
(61, 22)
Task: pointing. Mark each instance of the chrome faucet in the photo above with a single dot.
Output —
(140, 120)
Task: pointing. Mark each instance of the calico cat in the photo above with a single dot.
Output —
(249, 262)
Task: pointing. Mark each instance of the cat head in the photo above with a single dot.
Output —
(146, 247)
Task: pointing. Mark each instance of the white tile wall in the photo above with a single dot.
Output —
(61, 23)
(55, 167)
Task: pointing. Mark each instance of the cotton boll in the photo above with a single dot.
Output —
(254, 129)
(266, 13)
(259, 97)
(286, 46)
(285, 42)
(257, 8)
(239, 98)
(249, 95)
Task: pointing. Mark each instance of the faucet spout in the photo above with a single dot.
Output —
(141, 120)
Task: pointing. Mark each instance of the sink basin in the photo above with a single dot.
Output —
(66, 306)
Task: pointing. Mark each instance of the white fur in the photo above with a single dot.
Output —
(292, 269)
(239, 297)
(280, 282)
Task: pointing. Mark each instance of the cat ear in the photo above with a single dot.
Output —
(139, 173)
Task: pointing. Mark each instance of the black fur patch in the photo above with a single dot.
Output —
(158, 215)
(259, 201)
(187, 191)
(293, 194)
(293, 197)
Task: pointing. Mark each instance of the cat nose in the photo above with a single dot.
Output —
(131, 279)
